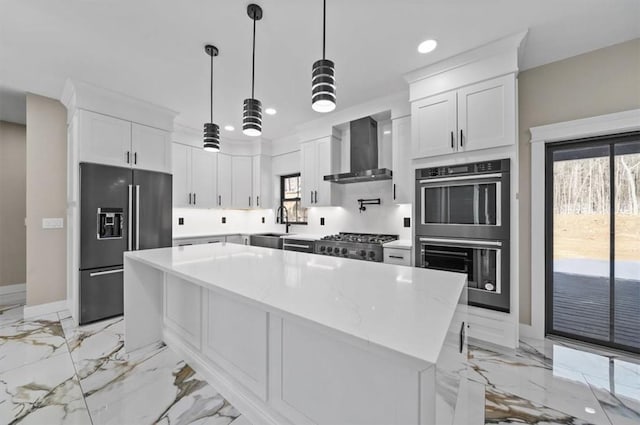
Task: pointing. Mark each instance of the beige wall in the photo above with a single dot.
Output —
(46, 198)
(600, 82)
(13, 176)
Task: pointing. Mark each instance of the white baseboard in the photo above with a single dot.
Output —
(528, 331)
(13, 294)
(41, 309)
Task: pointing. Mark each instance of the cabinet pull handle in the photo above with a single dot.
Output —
(397, 257)
(257, 201)
(194, 199)
(461, 137)
(94, 274)
(462, 337)
(316, 192)
(189, 198)
(135, 158)
(394, 191)
(452, 140)
(312, 196)
(249, 200)
(219, 200)
(128, 157)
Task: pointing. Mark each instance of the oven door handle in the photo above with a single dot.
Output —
(459, 178)
(469, 242)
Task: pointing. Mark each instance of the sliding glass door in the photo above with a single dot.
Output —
(593, 241)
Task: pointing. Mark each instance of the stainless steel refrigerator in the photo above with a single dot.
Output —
(120, 210)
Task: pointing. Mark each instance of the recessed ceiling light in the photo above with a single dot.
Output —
(427, 46)
(229, 127)
(270, 111)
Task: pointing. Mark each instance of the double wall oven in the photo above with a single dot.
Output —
(462, 225)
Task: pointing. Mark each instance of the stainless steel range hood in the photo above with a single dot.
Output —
(364, 155)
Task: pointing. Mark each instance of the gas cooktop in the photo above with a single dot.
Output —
(360, 246)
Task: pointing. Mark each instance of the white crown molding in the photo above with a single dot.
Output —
(587, 127)
(81, 95)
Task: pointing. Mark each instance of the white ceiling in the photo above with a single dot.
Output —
(153, 49)
(13, 105)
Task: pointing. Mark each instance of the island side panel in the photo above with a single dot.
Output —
(182, 309)
(143, 294)
(321, 377)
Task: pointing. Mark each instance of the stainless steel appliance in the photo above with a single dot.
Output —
(299, 245)
(359, 246)
(120, 210)
(267, 240)
(464, 200)
(485, 262)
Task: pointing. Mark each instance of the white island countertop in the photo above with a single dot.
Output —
(404, 309)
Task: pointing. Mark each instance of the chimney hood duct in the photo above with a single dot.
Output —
(364, 155)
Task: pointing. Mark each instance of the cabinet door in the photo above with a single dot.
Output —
(204, 178)
(261, 182)
(181, 165)
(151, 148)
(403, 181)
(322, 196)
(434, 125)
(486, 114)
(308, 174)
(104, 140)
(224, 181)
(241, 168)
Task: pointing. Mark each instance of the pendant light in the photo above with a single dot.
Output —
(323, 80)
(211, 130)
(252, 111)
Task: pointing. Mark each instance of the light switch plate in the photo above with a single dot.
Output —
(52, 223)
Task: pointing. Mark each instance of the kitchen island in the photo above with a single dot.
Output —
(298, 338)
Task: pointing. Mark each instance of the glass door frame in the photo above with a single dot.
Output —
(611, 141)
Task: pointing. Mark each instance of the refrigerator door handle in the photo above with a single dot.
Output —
(130, 218)
(137, 217)
(105, 272)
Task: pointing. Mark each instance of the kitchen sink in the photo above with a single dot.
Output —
(267, 240)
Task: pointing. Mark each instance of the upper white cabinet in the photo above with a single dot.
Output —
(241, 181)
(403, 180)
(103, 139)
(319, 158)
(478, 116)
(262, 189)
(113, 141)
(224, 181)
(194, 177)
(151, 148)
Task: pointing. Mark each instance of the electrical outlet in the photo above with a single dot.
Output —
(224, 220)
(321, 221)
(407, 222)
(263, 220)
(180, 221)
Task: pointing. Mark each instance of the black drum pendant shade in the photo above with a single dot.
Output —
(252, 107)
(211, 130)
(323, 80)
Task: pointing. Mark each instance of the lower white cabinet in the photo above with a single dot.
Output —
(205, 239)
(398, 256)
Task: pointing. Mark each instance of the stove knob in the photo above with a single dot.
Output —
(323, 248)
(329, 250)
(363, 253)
(372, 254)
(344, 251)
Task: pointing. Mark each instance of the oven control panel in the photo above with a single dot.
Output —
(496, 166)
(344, 250)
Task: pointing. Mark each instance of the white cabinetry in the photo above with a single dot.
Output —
(478, 116)
(403, 182)
(398, 256)
(261, 182)
(113, 141)
(319, 158)
(194, 177)
(224, 181)
(241, 180)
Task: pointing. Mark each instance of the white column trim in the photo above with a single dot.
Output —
(620, 122)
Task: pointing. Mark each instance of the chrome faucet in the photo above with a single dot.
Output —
(280, 217)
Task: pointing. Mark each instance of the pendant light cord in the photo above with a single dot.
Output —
(253, 60)
(324, 26)
(211, 94)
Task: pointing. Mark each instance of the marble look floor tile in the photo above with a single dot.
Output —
(10, 313)
(26, 341)
(241, 420)
(505, 408)
(64, 314)
(532, 377)
(620, 403)
(45, 392)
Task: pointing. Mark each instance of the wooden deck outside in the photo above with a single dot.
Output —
(581, 307)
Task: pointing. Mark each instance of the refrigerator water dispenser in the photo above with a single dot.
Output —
(110, 223)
